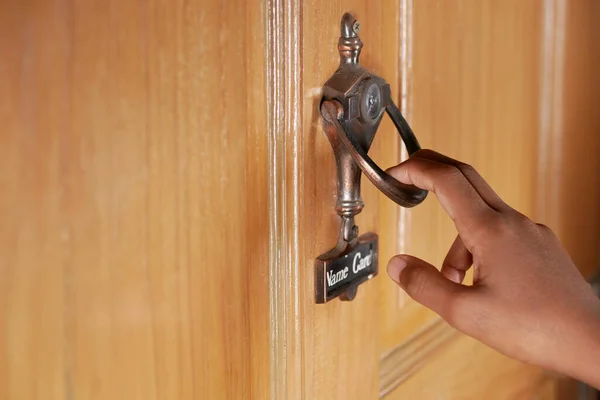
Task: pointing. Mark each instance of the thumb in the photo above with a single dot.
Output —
(425, 284)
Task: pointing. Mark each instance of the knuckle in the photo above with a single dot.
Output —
(511, 222)
(545, 229)
(521, 218)
(488, 232)
(520, 223)
(466, 169)
(505, 225)
(414, 163)
(424, 153)
(492, 225)
(545, 233)
(451, 172)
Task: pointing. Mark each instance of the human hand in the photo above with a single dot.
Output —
(528, 300)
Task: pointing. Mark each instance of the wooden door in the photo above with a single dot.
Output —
(499, 84)
(166, 187)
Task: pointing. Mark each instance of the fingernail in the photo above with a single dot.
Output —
(395, 267)
(453, 274)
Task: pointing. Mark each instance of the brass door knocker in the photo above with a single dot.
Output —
(353, 104)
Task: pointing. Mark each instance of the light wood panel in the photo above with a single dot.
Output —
(470, 370)
(507, 87)
(474, 95)
(571, 141)
(467, 369)
(134, 206)
(421, 349)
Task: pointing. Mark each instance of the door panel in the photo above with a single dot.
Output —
(491, 83)
(572, 142)
(134, 213)
(466, 369)
(474, 95)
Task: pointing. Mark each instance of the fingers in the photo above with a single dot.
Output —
(457, 262)
(454, 191)
(426, 285)
(481, 186)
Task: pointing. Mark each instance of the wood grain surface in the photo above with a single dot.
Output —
(166, 187)
(134, 205)
(474, 95)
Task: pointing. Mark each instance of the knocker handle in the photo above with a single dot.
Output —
(402, 194)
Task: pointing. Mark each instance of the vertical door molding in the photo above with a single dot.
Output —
(551, 111)
(405, 63)
(315, 351)
(569, 183)
(284, 116)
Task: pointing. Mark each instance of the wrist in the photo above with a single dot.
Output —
(581, 359)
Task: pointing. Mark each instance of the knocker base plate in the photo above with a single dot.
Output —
(339, 271)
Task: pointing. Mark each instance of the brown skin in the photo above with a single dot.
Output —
(528, 300)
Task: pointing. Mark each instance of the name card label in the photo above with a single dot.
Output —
(340, 271)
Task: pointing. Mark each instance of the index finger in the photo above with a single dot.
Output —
(479, 184)
(455, 193)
